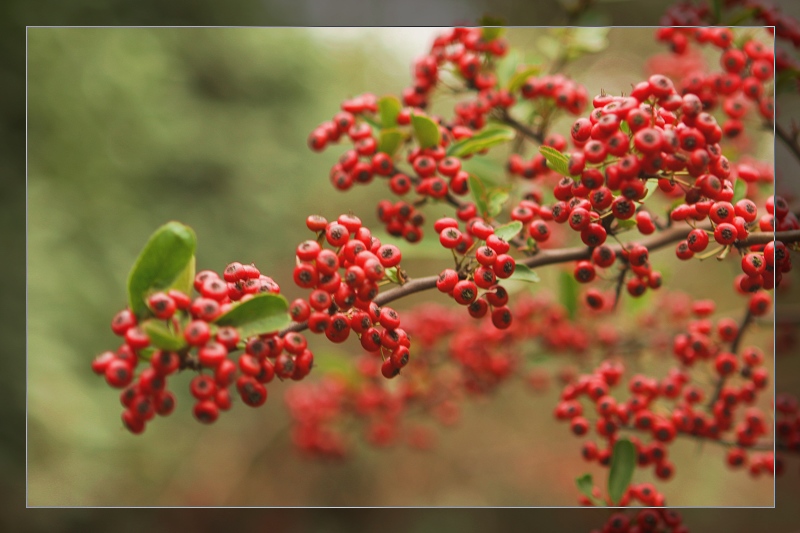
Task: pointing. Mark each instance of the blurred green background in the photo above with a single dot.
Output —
(72, 341)
(129, 128)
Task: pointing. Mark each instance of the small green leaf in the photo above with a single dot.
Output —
(568, 293)
(626, 224)
(391, 274)
(508, 231)
(585, 485)
(555, 160)
(623, 461)
(495, 202)
(426, 131)
(716, 10)
(490, 136)
(164, 259)
(739, 190)
(521, 76)
(651, 186)
(478, 192)
(624, 127)
(388, 108)
(372, 121)
(161, 337)
(524, 273)
(390, 141)
(483, 167)
(263, 313)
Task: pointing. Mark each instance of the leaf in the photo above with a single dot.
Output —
(626, 129)
(623, 461)
(185, 280)
(585, 485)
(626, 224)
(478, 192)
(390, 141)
(508, 231)
(555, 160)
(165, 258)
(263, 313)
(161, 337)
(391, 274)
(388, 108)
(739, 190)
(651, 186)
(524, 273)
(426, 131)
(716, 10)
(519, 78)
(568, 293)
(495, 202)
(488, 137)
(483, 167)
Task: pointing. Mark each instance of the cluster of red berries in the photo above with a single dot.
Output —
(146, 395)
(491, 262)
(702, 340)
(344, 284)
(467, 51)
(748, 68)
(562, 91)
(645, 520)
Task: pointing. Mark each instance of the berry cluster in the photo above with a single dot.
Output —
(675, 404)
(344, 284)
(205, 347)
(490, 263)
(560, 90)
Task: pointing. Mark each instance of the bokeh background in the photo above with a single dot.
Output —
(129, 128)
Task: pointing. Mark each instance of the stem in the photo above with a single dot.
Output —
(789, 139)
(521, 128)
(737, 341)
(566, 255)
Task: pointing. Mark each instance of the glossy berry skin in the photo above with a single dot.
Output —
(465, 292)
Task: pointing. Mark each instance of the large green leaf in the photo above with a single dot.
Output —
(390, 141)
(185, 280)
(165, 259)
(623, 462)
(490, 136)
(585, 485)
(388, 108)
(426, 131)
(524, 273)
(568, 293)
(161, 337)
(264, 313)
(508, 231)
(555, 160)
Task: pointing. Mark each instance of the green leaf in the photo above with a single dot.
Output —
(388, 108)
(185, 280)
(483, 167)
(478, 192)
(164, 259)
(263, 313)
(490, 136)
(716, 10)
(625, 128)
(390, 141)
(568, 293)
(426, 131)
(508, 231)
(555, 160)
(391, 274)
(585, 485)
(495, 202)
(623, 461)
(161, 337)
(518, 79)
(739, 190)
(626, 224)
(524, 273)
(651, 186)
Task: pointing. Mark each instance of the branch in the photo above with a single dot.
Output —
(566, 255)
(521, 128)
(737, 341)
